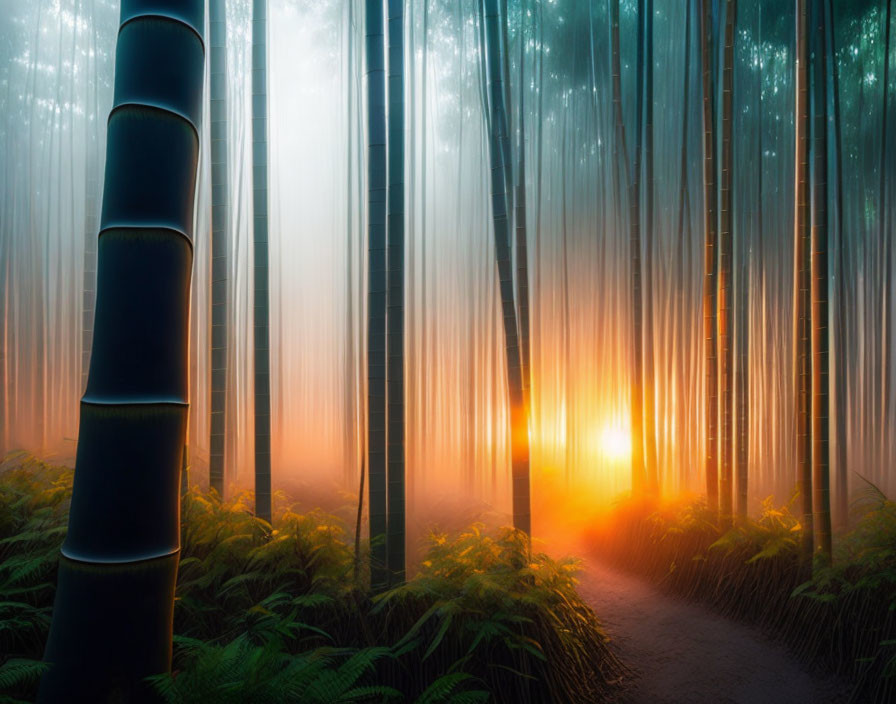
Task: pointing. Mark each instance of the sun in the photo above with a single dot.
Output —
(615, 443)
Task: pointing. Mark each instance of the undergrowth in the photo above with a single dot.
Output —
(841, 618)
(274, 614)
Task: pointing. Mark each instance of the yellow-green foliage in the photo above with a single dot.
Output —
(775, 533)
(273, 613)
(239, 575)
(864, 572)
(843, 615)
(33, 514)
(485, 599)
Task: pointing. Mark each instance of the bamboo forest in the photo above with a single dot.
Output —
(448, 351)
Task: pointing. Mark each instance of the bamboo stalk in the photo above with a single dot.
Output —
(114, 604)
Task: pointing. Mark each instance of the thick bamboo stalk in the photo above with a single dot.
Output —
(114, 603)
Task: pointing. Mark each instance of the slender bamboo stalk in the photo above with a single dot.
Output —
(350, 458)
(112, 618)
(631, 182)
(91, 214)
(885, 260)
(650, 448)
(219, 243)
(802, 362)
(726, 251)
(710, 269)
(519, 430)
(377, 291)
(261, 309)
(821, 452)
(395, 521)
(683, 205)
(522, 256)
(840, 368)
(744, 285)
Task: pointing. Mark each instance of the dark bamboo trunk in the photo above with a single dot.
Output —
(725, 298)
(261, 322)
(680, 357)
(840, 369)
(710, 303)
(650, 449)
(742, 409)
(349, 369)
(377, 290)
(522, 249)
(219, 244)
(395, 523)
(802, 362)
(819, 289)
(112, 618)
(91, 216)
(631, 183)
(498, 137)
(885, 256)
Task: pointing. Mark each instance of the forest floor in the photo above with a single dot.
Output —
(684, 653)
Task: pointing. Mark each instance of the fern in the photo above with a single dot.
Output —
(272, 612)
(242, 672)
(19, 672)
(445, 691)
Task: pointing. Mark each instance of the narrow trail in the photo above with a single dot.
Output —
(683, 653)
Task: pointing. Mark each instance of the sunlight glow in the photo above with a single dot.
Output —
(615, 443)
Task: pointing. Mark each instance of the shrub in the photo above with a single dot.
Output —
(273, 613)
(840, 617)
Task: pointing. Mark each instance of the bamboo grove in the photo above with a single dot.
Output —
(440, 259)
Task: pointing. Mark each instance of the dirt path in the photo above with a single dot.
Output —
(685, 654)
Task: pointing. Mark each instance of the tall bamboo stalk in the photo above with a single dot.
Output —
(650, 449)
(112, 617)
(821, 453)
(350, 458)
(742, 372)
(522, 256)
(885, 260)
(376, 293)
(726, 250)
(395, 523)
(261, 285)
(802, 361)
(631, 180)
(219, 244)
(840, 368)
(91, 213)
(710, 270)
(519, 430)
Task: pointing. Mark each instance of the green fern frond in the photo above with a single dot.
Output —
(19, 672)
